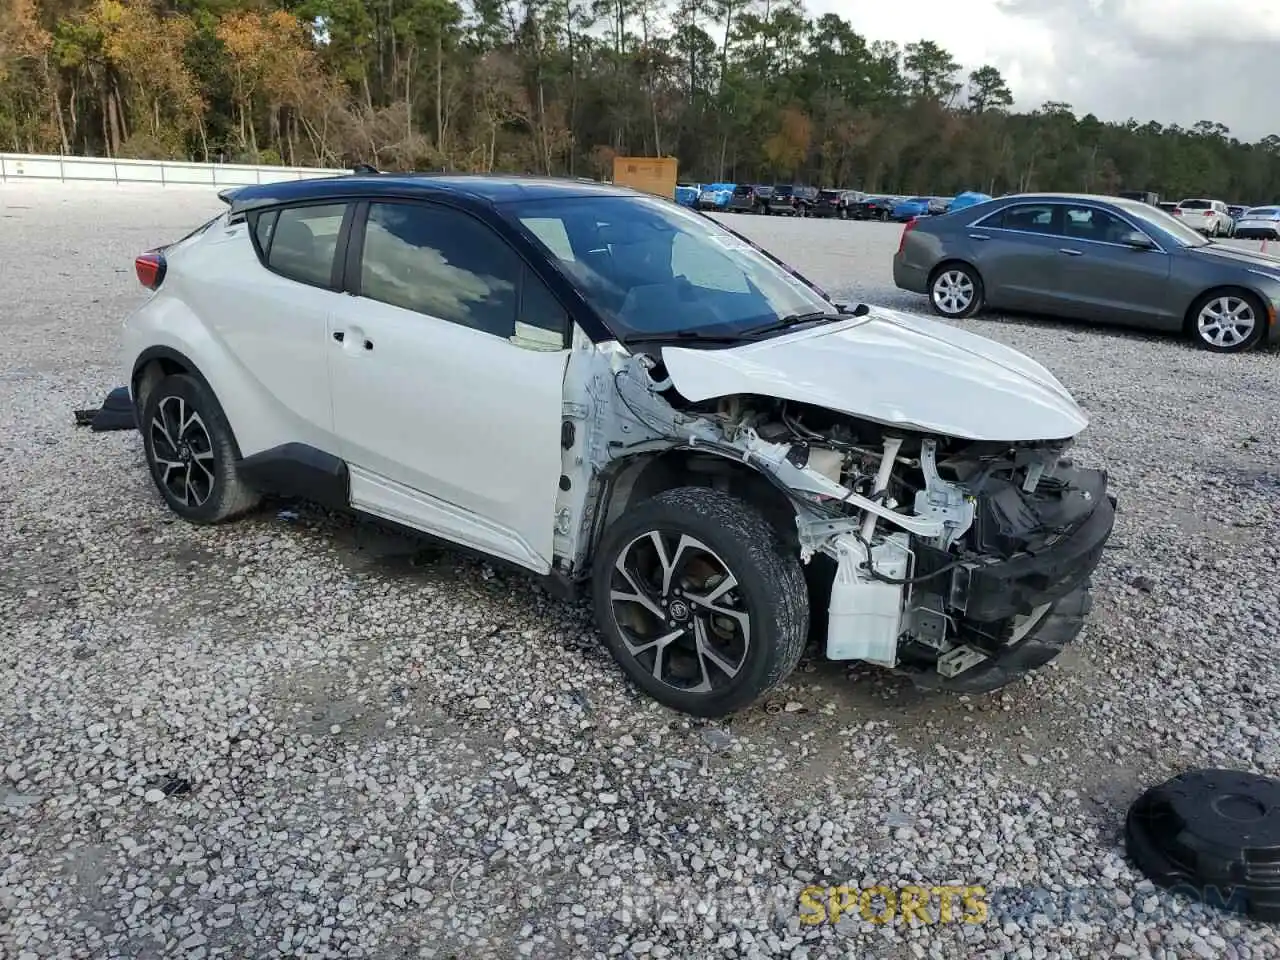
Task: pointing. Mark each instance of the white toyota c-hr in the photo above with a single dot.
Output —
(609, 390)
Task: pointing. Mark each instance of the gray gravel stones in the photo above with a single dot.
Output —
(365, 748)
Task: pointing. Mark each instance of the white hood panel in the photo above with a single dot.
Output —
(894, 369)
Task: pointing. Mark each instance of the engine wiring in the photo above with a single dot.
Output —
(901, 581)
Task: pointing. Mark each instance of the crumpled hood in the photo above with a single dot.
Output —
(894, 369)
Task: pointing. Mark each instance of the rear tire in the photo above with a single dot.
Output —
(659, 586)
(192, 453)
(955, 291)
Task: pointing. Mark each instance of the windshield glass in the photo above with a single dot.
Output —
(650, 267)
(1262, 211)
(1178, 231)
(1194, 204)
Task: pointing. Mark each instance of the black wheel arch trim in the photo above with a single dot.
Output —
(299, 470)
(163, 353)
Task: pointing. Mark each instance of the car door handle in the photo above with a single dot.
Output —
(1071, 253)
(978, 236)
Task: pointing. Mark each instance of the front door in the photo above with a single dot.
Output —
(447, 363)
(1104, 279)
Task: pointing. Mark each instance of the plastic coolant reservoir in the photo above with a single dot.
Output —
(865, 615)
(826, 462)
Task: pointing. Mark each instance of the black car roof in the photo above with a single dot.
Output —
(476, 187)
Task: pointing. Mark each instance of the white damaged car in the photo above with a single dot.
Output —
(624, 397)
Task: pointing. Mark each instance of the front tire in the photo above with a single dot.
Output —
(700, 601)
(955, 291)
(192, 453)
(1227, 321)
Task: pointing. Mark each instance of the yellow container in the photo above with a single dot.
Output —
(656, 175)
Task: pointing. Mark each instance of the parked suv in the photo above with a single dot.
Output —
(625, 398)
(835, 203)
(1210, 217)
(749, 198)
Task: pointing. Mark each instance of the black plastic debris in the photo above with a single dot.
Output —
(1214, 837)
(116, 413)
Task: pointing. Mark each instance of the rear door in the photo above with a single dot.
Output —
(267, 295)
(1016, 251)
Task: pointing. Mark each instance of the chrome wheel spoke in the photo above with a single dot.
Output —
(671, 564)
(708, 655)
(635, 595)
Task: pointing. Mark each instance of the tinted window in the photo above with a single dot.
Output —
(300, 241)
(650, 267)
(1195, 205)
(263, 227)
(1028, 218)
(1262, 211)
(1091, 223)
(446, 264)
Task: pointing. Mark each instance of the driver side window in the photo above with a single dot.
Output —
(703, 266)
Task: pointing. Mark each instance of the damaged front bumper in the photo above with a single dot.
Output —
(972, 624)
(998, 590)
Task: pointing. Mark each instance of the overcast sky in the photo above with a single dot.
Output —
(1173, 61)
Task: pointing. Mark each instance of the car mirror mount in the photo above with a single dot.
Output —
(1138, 240)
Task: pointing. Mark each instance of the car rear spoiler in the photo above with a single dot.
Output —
(228, 194)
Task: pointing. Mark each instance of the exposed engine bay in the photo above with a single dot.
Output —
(946, 553)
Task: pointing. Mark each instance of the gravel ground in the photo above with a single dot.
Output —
(300, 736)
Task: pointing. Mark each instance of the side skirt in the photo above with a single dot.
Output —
(303, 472)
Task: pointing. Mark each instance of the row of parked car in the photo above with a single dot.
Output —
(792, 200)
(1213, 218)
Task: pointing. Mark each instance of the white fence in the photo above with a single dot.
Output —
(27, 167)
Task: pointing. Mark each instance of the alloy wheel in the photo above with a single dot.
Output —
(183, 451)
(680, 611)
(1226, 321)
(953, 291)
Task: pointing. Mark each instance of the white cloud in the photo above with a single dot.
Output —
(1172, 61)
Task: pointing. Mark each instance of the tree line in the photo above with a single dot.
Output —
(738, 90)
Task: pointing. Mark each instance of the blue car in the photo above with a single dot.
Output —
(910, 208)
(687, 194)
(715, 196)
(968, 199)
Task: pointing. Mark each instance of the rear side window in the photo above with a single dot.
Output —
(1026, 218)
(446, 264)
(300, 242)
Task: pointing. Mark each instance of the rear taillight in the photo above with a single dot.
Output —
(150, 268)
(902, 241)
(1208, 213)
